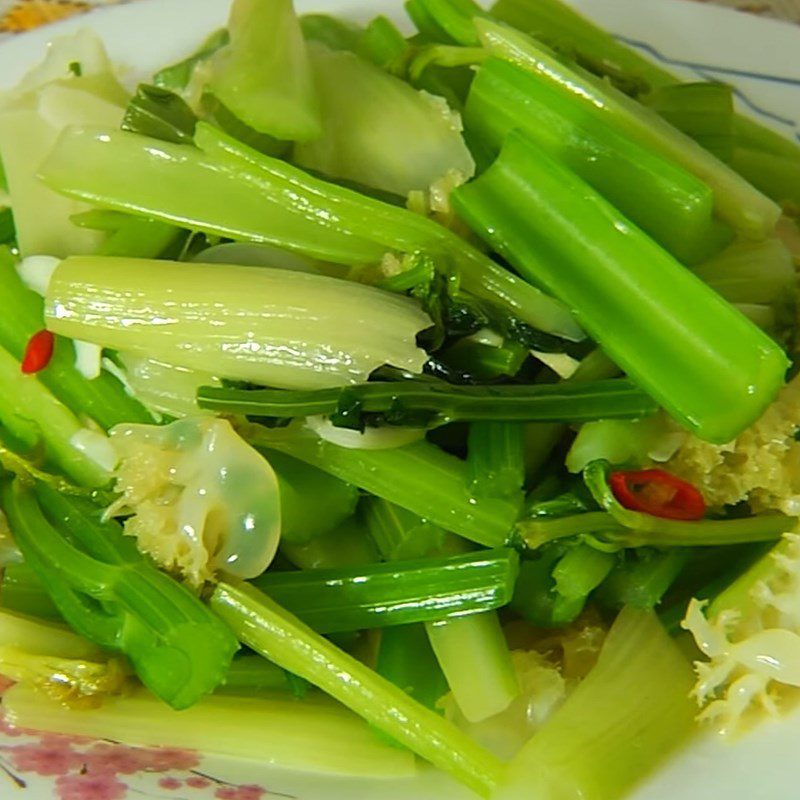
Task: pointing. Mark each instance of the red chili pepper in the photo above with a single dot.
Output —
(659, 493)
(38, 352)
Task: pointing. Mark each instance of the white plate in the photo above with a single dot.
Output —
(759, 57)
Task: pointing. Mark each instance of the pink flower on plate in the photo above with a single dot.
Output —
(47, 757)
(248, 792)
(197, 782)
(170, 784)
(90, 787)
(166, 759)
(5, 683)
(108, 758)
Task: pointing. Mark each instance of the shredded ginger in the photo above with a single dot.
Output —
(762, 465)
(753, 650)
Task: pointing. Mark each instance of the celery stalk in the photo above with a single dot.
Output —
(233, 321)
(419, 477)
(277, 635)
(751, 272)
(103, 399)
(736, 201)
(379, 131)
(496, 458)
(110, 593)
(406, 659)
(307, 736)
(709, 367)
(245, 195)
(40, 637)
(23, 592)
(348, 545)
(395, 593)
(562, 27)
(626, 717)
(28, 408)
(665, 200)
(263, 75)
(776, 175)
(399, 534)
(439, 403)
(334, 501)
(331, 31)
(474, 657)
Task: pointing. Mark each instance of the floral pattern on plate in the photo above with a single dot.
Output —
(77, 768)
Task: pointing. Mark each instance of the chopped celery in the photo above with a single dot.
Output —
(233, 321)
(115, 597)
(293, 210)
(23, 592)
(561, 26)
(379, 131)
(395, 593)
(348, 545)
(142, 238)
(776, 175)
(630, 712)
(474, 657)
(665, 200)
(8, 232)
(263, 75)
(554, 585)
(709, 366)
(542, 438)
(625, 442)
(703, 111)
(496, 458)
(642, 578)
(39, 637)
(176, 77)
(438, 402)
(161, 114)
(643, 530)
(736, 201)
(45, 101)
(399, 534)
(751, 272)
(282, 638)
(383, 44)
(331, 31)
(103, 399)
(406, 659)
(34, 416)
(305, 736)
(250, 675)
(454, 18)
(312, 502)
(419, 477)
(162, 388)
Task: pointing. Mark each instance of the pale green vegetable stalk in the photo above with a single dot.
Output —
(161, 387)
(378, 130)
(622, 721)
(31, 118)
(282, 638)
(736, 201)
(312, 735)
(271, 327)
(33, 416)
(263, 75)
(42, 638)
(474, 657)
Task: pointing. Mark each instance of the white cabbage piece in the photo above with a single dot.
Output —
(201, 499)
(753, 649)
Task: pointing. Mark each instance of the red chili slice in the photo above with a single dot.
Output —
(38, 352)
(659, 493)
